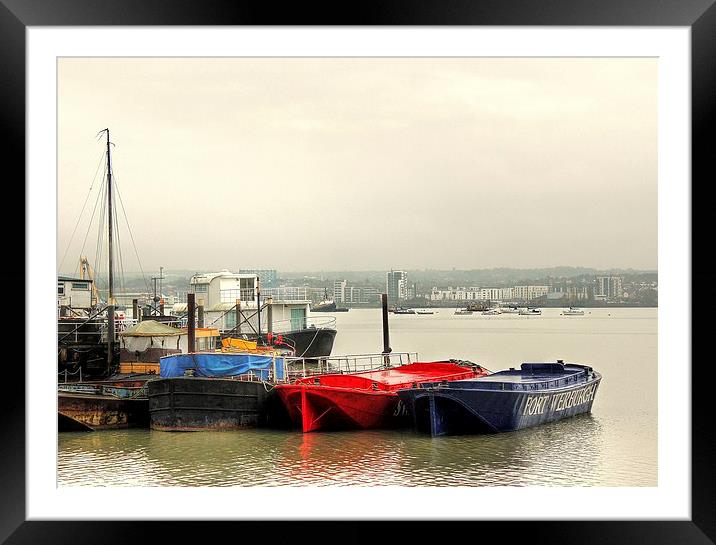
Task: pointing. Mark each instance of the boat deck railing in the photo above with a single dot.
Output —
(120, 392)
(85, 331)
(348, 363)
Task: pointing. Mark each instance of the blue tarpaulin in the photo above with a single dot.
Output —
(222, 364)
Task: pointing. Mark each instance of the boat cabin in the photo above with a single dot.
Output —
(73, 293)
(218, 294)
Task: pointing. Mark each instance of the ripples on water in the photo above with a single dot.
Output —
(613, 446)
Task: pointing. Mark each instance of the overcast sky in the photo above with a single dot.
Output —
(364, 164)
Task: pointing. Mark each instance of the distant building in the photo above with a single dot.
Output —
(267, 277)
(525, 293)
(344, 293)
(396, 285)
(339, 291)
(608, 287)
(580, 293)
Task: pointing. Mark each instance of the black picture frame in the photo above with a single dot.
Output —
(16, 15)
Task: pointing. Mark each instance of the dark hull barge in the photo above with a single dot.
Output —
(535, 394)
(212, 391)
(201, 404)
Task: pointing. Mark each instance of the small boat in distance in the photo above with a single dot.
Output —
(463, 311)
(530, 311)
(363, 400)
(510, 310)
(425, 312)
(573, 311)
(491, 312)
(510, 400)
(400, 310)
(478, 306)
(327, 305)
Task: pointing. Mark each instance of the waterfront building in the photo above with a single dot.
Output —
(339, 291)
(528, 293)
(608, 287)
(579, 293)
(525, 293)
(396, 285)
(345, 293)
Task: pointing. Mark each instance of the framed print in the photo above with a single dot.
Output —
(485, 137)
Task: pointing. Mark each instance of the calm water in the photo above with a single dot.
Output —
(615, 445)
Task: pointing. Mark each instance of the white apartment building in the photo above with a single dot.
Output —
(396, 285)
(608, 287)
(339, 291)
(525, 293)
(343, 293)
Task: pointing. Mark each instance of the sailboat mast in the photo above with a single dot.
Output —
(109, 216)
(110, 297)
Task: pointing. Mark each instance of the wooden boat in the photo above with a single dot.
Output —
(363, 400)
(509, 400)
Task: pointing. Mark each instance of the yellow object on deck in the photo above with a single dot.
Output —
(138, 367)
(238, 344)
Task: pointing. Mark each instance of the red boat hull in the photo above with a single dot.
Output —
(325, 408)
(361, 400)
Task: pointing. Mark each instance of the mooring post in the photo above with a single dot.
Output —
(269, 314)
(191, 338)
(386, 334)
(238, 316)
(200, 311)
(135, 309)
(258, 308)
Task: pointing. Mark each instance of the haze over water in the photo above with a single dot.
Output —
(615, 445)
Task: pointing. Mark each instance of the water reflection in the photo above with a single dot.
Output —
(565, 453)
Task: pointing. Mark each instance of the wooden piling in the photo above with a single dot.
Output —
(269, 314)
(191, 333)
(238, 316)
(386, 334)
(200, 312)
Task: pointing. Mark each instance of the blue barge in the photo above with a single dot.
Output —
(509, 400)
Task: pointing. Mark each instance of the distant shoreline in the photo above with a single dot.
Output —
(458, 304)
